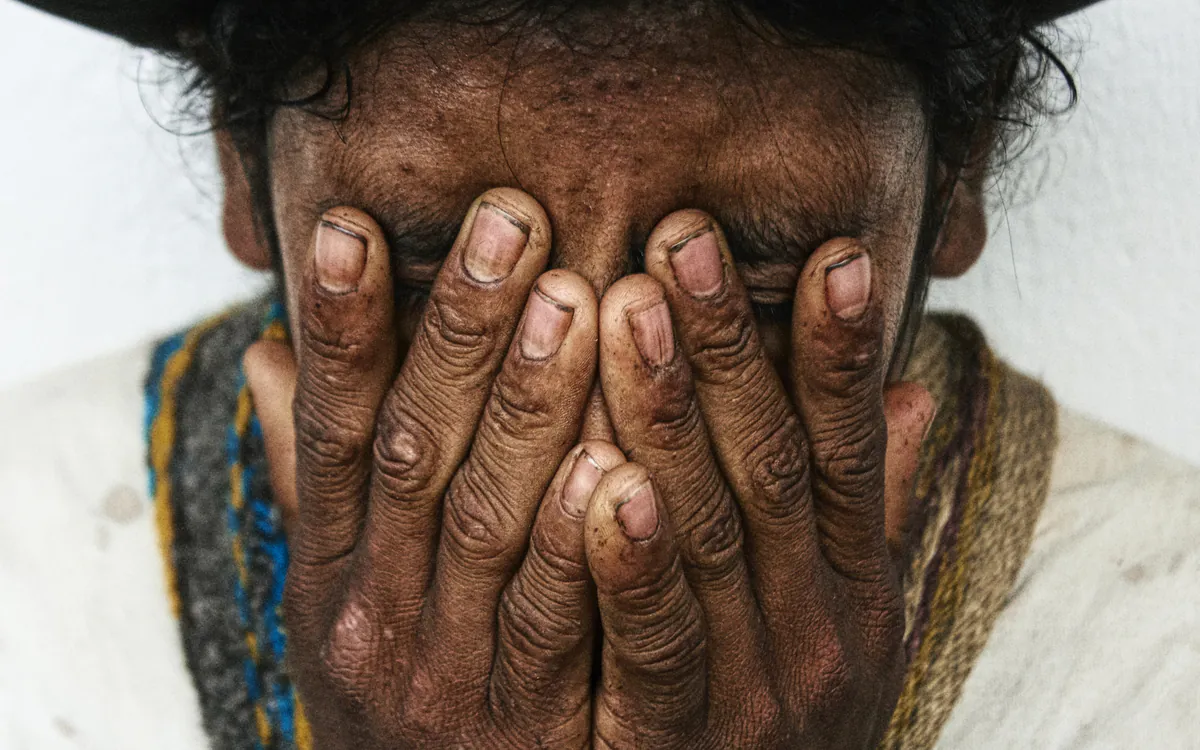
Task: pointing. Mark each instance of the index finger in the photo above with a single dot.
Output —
(429, 417)
(346, 355)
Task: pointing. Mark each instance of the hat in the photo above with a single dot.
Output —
(158, 23)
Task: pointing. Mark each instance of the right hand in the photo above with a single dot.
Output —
(421, 609)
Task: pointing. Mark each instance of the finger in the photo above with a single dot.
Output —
(532, 419)
(271, 375)
(909, 410)
(648, 387)
(546, 618)
(346, 352)
(654, 671)
(838, 373)
(754, 428)
(429, 416)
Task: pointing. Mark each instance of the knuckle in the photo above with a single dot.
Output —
(849, 457)
(851, 375)
(331, 340)
(540, 617)
(671, 662)
(668, 646)
(405, 455)
(550, 556)
(478, 529)
(351, 653)
(831, 679)
(423, 712)
(518, 410)
(459, 342)
(326, 450)
(325, 413)
(326, 440)
(716, 540)
(779, 466)
(723, 355)
(762, 722)
(675, 420)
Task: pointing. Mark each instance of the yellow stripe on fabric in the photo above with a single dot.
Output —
(264, 726)
(162, 445)
(275, 332)
(304, 740)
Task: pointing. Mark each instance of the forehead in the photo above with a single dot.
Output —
(630, 115)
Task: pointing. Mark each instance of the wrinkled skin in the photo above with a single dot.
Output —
(488, 484)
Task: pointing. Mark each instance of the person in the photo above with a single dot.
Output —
(595, 406)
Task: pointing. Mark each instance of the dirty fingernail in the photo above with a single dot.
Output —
(546, 324)
(637, 515)
(341, 257)
(697, 264)
(494, 245)
(652, 334)
(580, 485)
(848, 286)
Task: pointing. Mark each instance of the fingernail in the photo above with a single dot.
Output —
(652, 334)
(576, 493)
(848, 286)
(495, 244)
(697, 264)
(637, 515)
(546, 324)
(341, 256)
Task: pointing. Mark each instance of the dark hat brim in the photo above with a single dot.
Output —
(145, 23)
(1045, 11)
(158, 23)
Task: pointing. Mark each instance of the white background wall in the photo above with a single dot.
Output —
(109, 224)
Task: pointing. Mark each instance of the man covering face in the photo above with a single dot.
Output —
(594, 406)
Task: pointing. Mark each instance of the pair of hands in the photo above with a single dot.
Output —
(455, 555)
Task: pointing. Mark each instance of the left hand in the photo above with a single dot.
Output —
(741, 559)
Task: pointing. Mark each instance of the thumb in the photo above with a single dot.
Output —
(909, 411)
(271, 374)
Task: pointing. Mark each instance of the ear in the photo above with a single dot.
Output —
(964, 230)
(243, 235)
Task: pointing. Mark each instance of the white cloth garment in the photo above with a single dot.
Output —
(1099, 646)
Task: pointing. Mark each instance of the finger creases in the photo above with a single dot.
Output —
(430, 411)
(654, 669)
(648, 386)
(649, 391)
(546, 616)
(753, 426)
(838, 372)
(345, 356)
(529, 424)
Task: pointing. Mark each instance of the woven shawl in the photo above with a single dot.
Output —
(983, 478)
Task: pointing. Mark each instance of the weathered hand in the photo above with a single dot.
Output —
(416, 616)
(745, 586)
